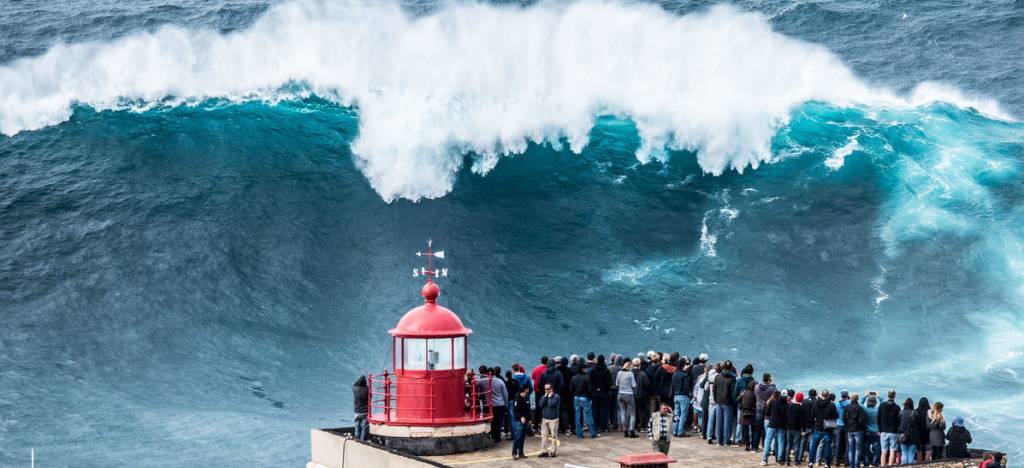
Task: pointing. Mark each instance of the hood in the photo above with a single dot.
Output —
(669, 368)
(360, 382)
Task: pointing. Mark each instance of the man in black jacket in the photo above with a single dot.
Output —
(825, 416)
(855, 419)
(725, 419)
(794, 429)
(582, 392)
(643, 385)
(681, 389)
(601, 380)
(776, 410)
(360, 396)
(889, 428)
(566, 419)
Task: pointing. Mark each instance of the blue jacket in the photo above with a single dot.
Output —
(841, 406)
(524, 381)
(872, 415)
(741, 386)
(549, 406)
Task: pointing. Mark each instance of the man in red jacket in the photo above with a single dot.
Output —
(537, 393)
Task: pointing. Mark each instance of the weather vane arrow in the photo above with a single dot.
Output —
(429, 271)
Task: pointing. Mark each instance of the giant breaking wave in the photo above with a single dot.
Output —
(473, 79)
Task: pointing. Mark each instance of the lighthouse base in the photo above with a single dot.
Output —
(442, 440)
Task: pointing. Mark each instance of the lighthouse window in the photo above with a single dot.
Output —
(439, 354)
(460, 352)
(415, 354)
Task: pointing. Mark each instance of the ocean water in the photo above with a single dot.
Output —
(209, 210)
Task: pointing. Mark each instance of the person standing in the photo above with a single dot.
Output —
(657, 377)
(613, 392)
(746, 377)
(550, 405)
(763, 391)
(889, 428)
(520, 421)
(681, 389)
(855, 421)
(360, 398)
(538, 390)
(747, 410)
(643, 385)
(712, 414)
(825, 415)
(909, 432)
(701, 403)
(582, 394)
(725, 399)
(568, 405)
(872, 443)
(958, 437)
(626, 383)
(923, 410)
(661, 429)
(601, 380)
(839, 442)
(499, 400)
(936, 431)
(776, 410)
(795, 429)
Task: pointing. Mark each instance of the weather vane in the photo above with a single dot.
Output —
(429, 271)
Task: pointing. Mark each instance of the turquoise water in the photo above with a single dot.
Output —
(210, 212)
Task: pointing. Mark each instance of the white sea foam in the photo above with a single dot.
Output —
(471, 78)
(838, 157)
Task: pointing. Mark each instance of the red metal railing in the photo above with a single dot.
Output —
(383, 396)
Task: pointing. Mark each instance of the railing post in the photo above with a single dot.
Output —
(472, 396)
(369, 398)
(387, 396)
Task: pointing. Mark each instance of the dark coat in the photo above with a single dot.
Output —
(794, 417)
(581, 386)
(889, 417)
(659, 380)
(549, 406)
(808, 412)
(958, 437)
(681, 383)
(824, 410)
(854, 417)
(776, 411)
(922, 425)
(643, 384)
(748, 407)
(360, 396)
(522, 409)
(553, 377)
(909, 427)
(936, 433)
(725, 381)
(601, 378)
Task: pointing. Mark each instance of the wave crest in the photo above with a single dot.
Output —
(472, 78)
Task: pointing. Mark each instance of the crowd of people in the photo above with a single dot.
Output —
(667, 395)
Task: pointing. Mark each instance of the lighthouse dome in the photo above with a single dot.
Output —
(430, 319)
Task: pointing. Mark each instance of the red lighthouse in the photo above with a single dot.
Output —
(428, 404)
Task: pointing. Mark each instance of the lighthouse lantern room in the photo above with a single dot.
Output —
(428, 404)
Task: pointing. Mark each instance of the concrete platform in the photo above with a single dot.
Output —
(602, 452)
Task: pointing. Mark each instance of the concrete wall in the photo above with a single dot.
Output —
(329, 450)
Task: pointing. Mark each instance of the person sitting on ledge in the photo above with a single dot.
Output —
(958, 437)
(660, 434)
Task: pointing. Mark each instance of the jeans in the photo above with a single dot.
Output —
(907, 453)
(682, 407)
(362, 427)
(816, 438)
(602, 407)
(627, 411)
(794, 442)
(777, 438)
(839, 444)
(583, 408)
(712, 419)
(758, 429)
(854, 440)
(726, 422)
(872, 448)
(613, 408)
(518, 438)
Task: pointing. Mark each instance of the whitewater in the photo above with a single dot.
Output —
(209, 210)
(474, 79)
